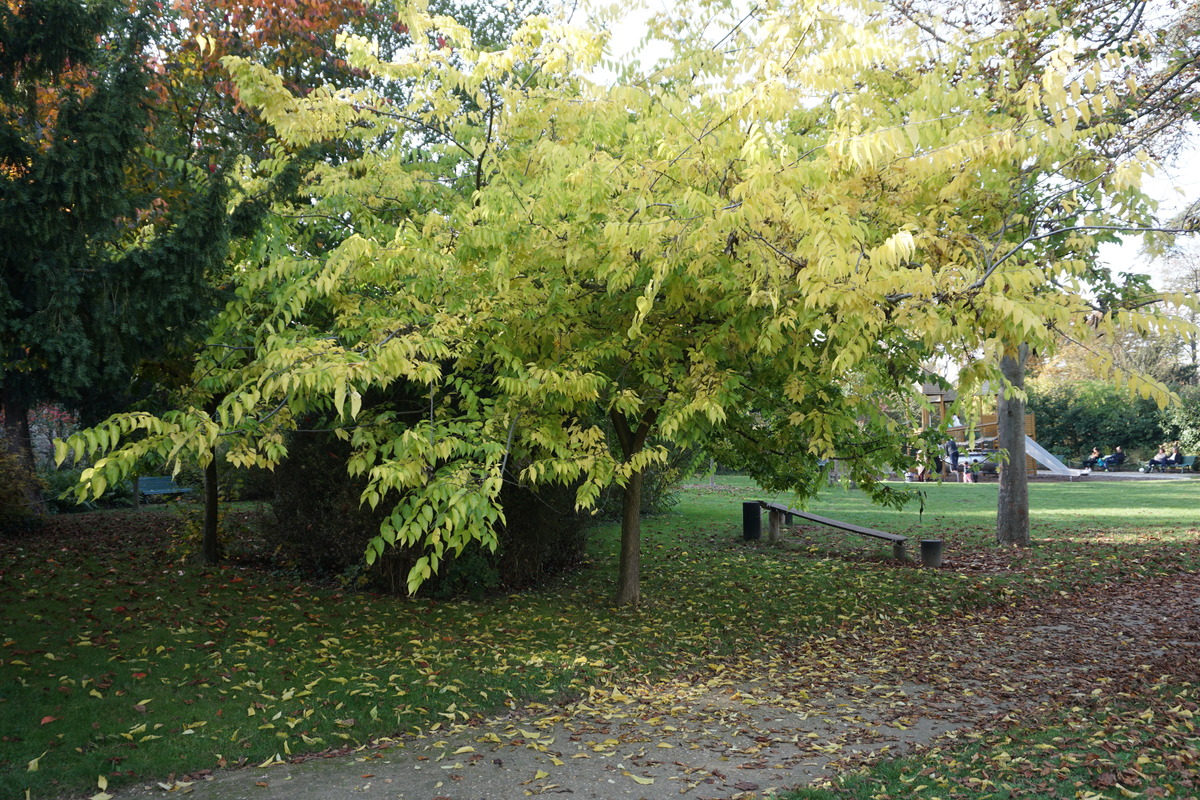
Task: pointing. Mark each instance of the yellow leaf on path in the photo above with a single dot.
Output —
(101, 796)
(558, 762)
(466, 749)
(619, 697)
(664, 744)
(541, 773)
(102, 782)
(640, 779)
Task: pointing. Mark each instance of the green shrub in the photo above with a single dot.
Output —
(1073, 418)
(58, 487)
(16, 482)
(318, 527)
(1182, 422)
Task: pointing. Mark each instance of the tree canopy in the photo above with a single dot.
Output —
(766, 236)
(95, 268)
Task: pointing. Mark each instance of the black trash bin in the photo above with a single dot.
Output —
(751, 521)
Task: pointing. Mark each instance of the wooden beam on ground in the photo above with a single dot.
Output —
(779, 510)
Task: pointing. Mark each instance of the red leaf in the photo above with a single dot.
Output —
(47, 720)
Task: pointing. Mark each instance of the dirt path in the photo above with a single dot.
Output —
(745, 727)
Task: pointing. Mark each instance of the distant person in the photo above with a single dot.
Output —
(1093, 459)
(1176, 457)
(950, 448)
(1116, 459)
(1161, 459)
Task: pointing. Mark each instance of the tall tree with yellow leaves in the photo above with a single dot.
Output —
(785, 211)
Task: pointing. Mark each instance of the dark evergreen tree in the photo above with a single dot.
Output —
(95, 269)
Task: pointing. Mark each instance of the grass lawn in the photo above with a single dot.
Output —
(118, 661)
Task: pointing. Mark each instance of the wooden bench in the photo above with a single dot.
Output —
(159, 486)
(780, 511)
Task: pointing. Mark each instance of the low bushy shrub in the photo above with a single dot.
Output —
(58, 487)
(16, 483)
(318, 527)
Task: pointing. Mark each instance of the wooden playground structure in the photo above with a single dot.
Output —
(982, 436)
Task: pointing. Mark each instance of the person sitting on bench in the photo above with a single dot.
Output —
(1093, 459)
(1176, 457)
(1113, 461)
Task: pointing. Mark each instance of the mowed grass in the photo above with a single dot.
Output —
(117, 661)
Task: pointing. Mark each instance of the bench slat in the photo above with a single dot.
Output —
(162, 484)
(833, 523)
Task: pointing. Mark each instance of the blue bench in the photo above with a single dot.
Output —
(159, 486)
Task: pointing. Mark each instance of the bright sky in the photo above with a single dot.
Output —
(1175, 187)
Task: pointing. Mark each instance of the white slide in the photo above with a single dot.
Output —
(1042, 456)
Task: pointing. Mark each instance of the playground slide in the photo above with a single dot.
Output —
(1043, 457)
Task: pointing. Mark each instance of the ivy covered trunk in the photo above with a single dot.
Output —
(19, 446)
(1012, 513)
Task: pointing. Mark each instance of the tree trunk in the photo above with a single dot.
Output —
(211, 547)
(629, 590)
(19, 443)
(1012, 513)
